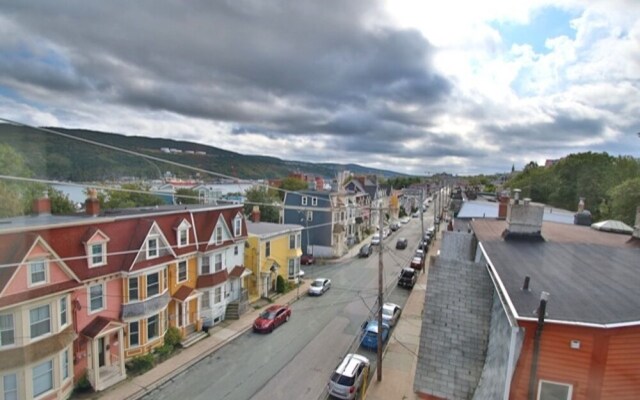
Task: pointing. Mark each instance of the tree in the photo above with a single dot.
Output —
(186, 196)
(624, 200)
(262, 198)
(60, 203)
(126, 199)
(292, 184)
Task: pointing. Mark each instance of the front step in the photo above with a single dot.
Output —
(192, 339)
(232, 311)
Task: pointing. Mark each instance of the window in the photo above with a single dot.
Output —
(206, 299)
(217, 295)
(314, 201)
(65, 364)
(134, 334)
(292, 268)
(42, 378)
(96, 299)
(304, 200)
(40, 321)
(165, 281)
(205, 265)
(63, 311)
(153, 284)
(298, 240)
(183, 237)
(152, 327)
(235, 250)
(218, 262)
(152, 248)
(309, 215)
(182, 271)
(7, 334)
(292, 241)
(218, 234)
(554, 391)
(267, 249)
(237, 226)
(10, 384)
(133, 289)
(97, 254)
(38, 272)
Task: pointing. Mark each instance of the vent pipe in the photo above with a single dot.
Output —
(525, 285)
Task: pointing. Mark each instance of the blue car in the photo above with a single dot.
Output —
(370, 334)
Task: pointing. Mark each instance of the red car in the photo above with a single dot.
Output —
(271, 318)
(307, 259)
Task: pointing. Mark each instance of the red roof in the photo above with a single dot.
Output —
(97, 325)
(212, 279)
(237, 271)
(39, 292)
(183, 293)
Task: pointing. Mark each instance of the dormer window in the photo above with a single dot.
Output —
(98, 254)
(237, 226)
(37, 272)
(304, 200)
(183, 237)
(314, 201)
(218, 234)
(152, 247)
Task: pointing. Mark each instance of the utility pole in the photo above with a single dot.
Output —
(380, 268)
(424, 250)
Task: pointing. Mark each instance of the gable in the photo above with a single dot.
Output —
(161, 251)
(56, 271)
(95, 235)
(224, 227)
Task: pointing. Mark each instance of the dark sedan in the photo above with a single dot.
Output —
(402, 243)
(307, 259)
(365, 251)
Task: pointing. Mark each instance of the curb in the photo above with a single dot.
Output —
(177, 371)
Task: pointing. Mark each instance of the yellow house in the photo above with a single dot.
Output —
(272, 250)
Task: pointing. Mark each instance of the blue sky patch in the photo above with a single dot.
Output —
(548, 22)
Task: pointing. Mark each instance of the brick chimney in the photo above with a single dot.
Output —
(42, 205)
(636, 226)
(503, 207)
(255, 214)
(92, 204)
(524, 220)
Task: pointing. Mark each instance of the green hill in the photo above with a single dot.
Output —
(52, 156)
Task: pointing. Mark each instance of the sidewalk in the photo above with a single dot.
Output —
(401, 354)
(219, 335)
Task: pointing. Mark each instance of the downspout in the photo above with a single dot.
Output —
(544, 296)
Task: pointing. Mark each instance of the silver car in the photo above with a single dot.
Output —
(319, 286)
(391, 313)
(348, 377)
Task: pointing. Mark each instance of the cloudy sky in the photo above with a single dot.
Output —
(413, 86)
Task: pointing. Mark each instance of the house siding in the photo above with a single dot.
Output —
(622, 371)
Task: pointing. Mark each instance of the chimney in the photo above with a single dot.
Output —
(92, 204)
(636, 227)
(524, 221)
(516, 196)
(42, 205)
(255, 214)
(503, 207)
(581, 205)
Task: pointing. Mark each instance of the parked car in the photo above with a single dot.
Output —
(419, 253)
(348, 377)
(271, 318)
(391, 313)
(423, 245)
(402, 243)
(375, 240)
(394, 227)
(416, 263)
(365, 251)
(307, 259)
(405, 220)
(408, 277)
(416, 214)
(385, 233)
(370, 334)
(319, 286)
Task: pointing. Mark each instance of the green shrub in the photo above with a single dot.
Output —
(281, 284)
(83, 385)
(140, 364)
(173, 337)
(163, 352)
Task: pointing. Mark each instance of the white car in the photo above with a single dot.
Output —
(391, 313)
(375, 240)
(347, 379)
(319, 286)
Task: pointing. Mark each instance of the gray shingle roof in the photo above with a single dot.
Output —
(266, 229)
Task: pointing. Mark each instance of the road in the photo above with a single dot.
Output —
(296, 360)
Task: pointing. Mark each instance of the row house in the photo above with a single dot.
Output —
(272, 250)
(81, 294)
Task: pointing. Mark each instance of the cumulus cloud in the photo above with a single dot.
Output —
(384, 84)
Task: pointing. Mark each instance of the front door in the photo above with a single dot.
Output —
(179, 314)
(101, 361)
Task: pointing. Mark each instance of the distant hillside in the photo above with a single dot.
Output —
(54, 157)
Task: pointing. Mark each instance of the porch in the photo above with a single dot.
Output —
(105, 352)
